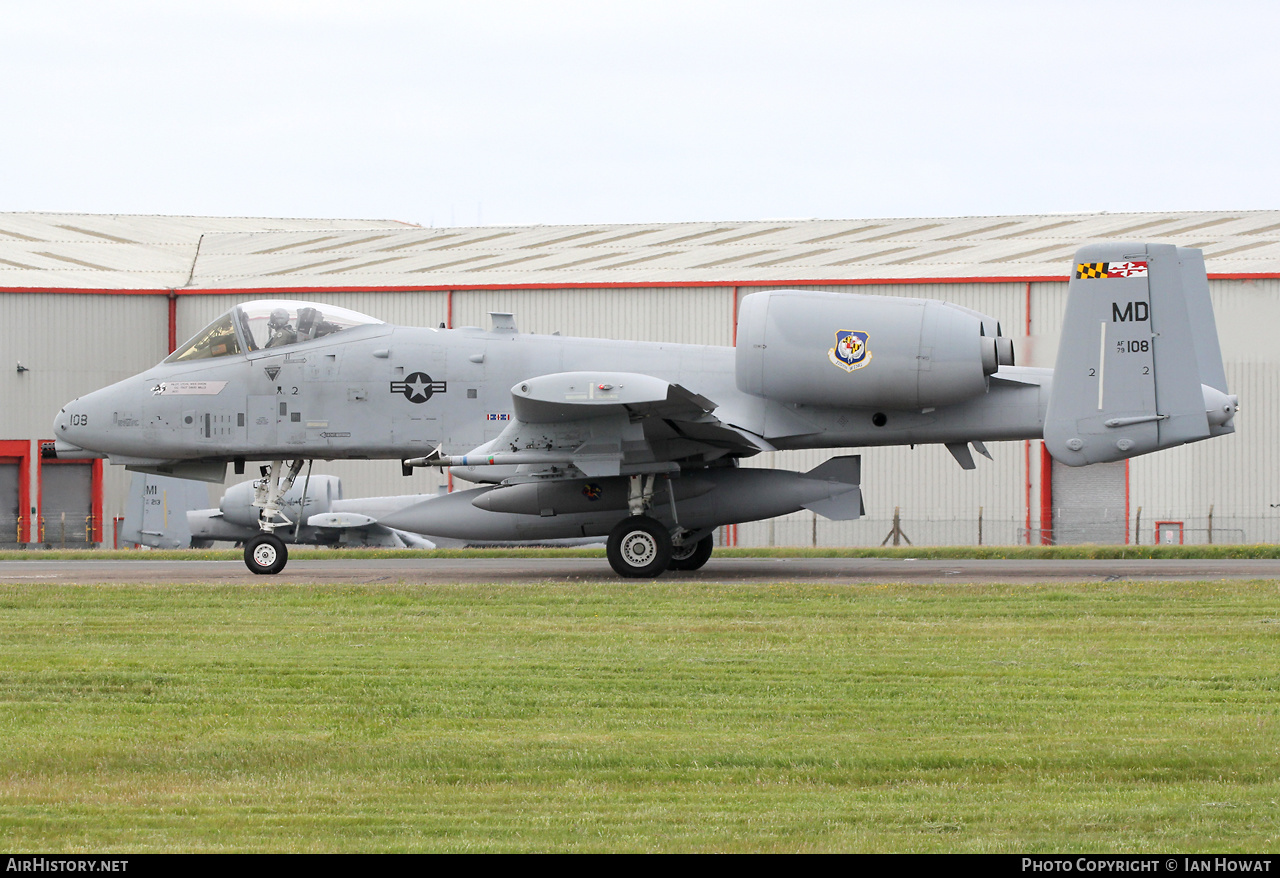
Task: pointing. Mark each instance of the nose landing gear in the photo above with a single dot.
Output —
(266, 553)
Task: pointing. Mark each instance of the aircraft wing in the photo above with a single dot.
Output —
(666, 412)
(604, 424)
(374, 533)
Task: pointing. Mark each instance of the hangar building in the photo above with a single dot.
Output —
(86, 300)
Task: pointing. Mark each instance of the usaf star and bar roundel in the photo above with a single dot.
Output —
(850, 352)
(1091, 270)
(418, 387)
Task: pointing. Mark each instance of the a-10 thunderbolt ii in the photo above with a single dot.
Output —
(169, 513)
(164, 512)
(574, 437)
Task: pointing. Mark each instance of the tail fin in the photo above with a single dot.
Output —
(1139, 367)
(156, 514)
(843, 476)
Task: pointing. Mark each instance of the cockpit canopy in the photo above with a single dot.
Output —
(267, 323)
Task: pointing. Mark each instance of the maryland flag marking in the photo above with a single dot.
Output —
(1110, 269)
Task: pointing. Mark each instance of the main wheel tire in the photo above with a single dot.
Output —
(639, 548)
(691, 556)
(265, 554)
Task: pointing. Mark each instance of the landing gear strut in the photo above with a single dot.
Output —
(266, 553)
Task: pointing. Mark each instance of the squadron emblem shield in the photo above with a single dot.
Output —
(851, 352)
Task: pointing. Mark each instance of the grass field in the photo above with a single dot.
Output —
(681, 716)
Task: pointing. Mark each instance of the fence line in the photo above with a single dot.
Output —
(808, 529)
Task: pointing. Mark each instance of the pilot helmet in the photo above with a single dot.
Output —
(279, 319)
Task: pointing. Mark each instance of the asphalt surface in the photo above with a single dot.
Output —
(464, 571)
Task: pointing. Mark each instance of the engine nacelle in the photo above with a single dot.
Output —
(320, 491)
(844, 349)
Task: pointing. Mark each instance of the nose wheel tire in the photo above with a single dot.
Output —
(691, 556)
(639, 548)
(265, 554)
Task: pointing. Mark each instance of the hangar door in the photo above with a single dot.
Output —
(14, 461)
(66, 504)
(1091, 503)
(10, 504)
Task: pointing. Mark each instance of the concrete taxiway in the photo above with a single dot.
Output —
(462, 571)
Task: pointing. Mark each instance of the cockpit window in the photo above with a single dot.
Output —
(267, 324)
(218, 339)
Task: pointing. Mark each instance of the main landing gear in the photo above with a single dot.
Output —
(641, 547)
(266, 553)
(691, 555)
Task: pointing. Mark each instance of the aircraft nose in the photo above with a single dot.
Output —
(66, 444)
(72, 433)
(64, 425)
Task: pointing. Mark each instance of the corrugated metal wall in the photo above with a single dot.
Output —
(939, 502)
(72, 344)
(700, 315)
(1236, 475)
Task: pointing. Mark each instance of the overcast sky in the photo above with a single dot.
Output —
(495, 111)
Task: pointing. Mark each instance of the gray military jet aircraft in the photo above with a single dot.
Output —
(163, 512)
(573, 437)
(316, 513)
(168, 513)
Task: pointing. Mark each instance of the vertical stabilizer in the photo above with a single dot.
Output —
(1139, 367)
(156, 514)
